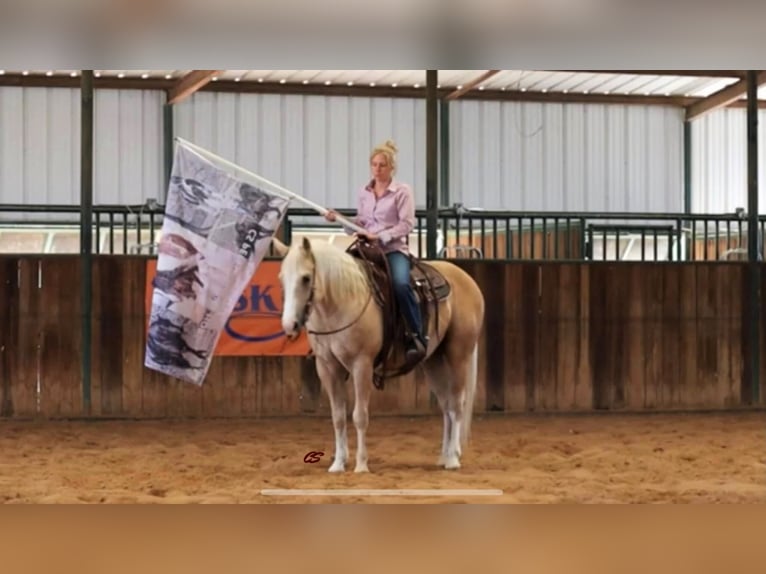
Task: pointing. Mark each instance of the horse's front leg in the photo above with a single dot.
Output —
(362, 372)
(333, 378)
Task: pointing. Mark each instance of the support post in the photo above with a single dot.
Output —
(432, 164)
(86, 230)
(167, 138)
(754, 275)
(687, 166)
(683, 242)
(444, 156)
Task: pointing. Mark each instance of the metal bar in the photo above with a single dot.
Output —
(432, 166)
(444, 153)
(86, 229)
(687, 166)
(167, 138)
(753, 309)
(111, 233)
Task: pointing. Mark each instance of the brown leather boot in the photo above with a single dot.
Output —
(415, 350)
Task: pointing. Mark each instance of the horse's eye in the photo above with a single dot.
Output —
(306, 279)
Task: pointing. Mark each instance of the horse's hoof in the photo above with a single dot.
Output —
(337, 467)
(452, 463)
(361, 468)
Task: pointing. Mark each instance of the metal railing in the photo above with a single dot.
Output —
(484, 234)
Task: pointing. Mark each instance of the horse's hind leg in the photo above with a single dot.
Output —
(333, 378)
(440, 380)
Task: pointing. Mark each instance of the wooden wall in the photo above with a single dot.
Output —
(559, 337)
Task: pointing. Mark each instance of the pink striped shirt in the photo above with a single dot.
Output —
(391, 217)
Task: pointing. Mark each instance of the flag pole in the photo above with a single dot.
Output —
(286, 192)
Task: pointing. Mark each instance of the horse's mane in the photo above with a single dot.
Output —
(339, 275)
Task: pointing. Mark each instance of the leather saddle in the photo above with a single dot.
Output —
(430, 287)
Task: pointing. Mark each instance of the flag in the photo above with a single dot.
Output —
(217, 228)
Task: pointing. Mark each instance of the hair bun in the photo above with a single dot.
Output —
(391, 146)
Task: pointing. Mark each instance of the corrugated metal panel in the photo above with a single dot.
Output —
(719, 161)
(39, 157)
(40, 146)
(566, 157)
(315, 146)
(127, 146)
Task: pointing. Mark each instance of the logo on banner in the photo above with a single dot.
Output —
(254, 326)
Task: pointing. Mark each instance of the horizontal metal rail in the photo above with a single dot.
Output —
(475, 233)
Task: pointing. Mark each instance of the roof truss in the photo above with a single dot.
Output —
(721, 98)
(189, 84)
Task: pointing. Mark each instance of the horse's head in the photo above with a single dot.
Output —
(297, 276)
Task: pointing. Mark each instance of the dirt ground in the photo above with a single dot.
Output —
(533, 459)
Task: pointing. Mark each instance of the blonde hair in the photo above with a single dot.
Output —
(388, 149)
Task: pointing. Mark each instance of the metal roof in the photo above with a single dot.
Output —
(562, 81)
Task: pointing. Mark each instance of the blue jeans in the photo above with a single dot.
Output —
(399, 264)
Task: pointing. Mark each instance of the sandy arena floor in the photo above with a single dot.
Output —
(533, 459)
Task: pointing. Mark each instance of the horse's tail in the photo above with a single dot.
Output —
(470, 397)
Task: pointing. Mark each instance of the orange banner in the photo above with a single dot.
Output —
(255, 326)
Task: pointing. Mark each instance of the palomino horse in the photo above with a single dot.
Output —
(326, 290)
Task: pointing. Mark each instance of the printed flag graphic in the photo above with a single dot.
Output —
(217, 229)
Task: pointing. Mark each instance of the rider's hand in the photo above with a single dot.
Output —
(331, 215)
(367, 235)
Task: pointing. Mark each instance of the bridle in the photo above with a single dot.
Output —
(308, 307)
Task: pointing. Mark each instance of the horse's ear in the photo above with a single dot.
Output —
(279, 248)
(306, 244)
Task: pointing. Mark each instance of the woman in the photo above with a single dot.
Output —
(386, 211)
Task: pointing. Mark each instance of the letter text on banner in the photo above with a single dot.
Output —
(216, 231)
(254, 327)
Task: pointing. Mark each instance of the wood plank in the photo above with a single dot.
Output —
(134, 331)
(9, 321)
(746, 388)
(492, 281)
(599, 336)
(733, 332)
(635, 384)
(584, 385)
(110, 345)
(245, 371)
(707, 345)
(746, 392)
(687, 375)
(652, 287)
(311, 386)
(548, 347)
(292, 386)
(721, 98)
(99, 335)
(528, 333)
(189, 84)
(618, 326)
(269, 377)
(232, 385)
(60, 371)
(215, 402)
(725, 279)
(669, 386)
(27, 361)
(567, 293)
